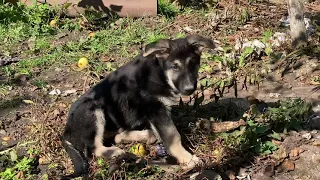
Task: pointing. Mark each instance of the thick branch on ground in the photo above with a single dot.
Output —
(297, 25)
(217, 127)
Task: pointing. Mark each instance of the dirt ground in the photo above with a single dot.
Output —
(41, 121)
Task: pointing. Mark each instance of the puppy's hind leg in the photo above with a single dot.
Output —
(79, 161)
(100, 149)
(164, 126)
(144, 136)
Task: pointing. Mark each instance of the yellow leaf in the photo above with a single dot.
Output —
(6, 138)
(28, 101)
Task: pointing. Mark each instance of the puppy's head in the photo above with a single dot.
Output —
(181, 60)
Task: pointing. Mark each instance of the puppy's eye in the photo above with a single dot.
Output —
(175, 66)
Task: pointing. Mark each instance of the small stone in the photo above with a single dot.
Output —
(316, 143)
(3, 132)
(70, 91)
(287, 165)
(307, 136)
(160, 150)
(269, 170)
(55, 92)
(314, 132)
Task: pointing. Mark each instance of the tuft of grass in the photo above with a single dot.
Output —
(155, 37)
(40, 83)
(20, 22)
(167, 9)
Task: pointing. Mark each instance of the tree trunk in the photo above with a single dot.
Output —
(297, 25)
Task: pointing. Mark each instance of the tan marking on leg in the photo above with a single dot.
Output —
(172, 141)
(144, 136)
(100, 149)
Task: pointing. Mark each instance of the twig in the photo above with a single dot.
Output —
(84, 84)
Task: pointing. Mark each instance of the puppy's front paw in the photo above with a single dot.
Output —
(118, 139)
(192, 163)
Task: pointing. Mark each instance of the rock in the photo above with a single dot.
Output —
(3, 132)
(294, 152)
(274, 95)
(206, 174)
(70, 91)
(315, 121)
(307, 136)
(269, 169)
(55, 92)
(287, 165)
(292, 142)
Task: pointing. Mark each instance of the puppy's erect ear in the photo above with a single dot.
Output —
(200, 42)
(160, 48)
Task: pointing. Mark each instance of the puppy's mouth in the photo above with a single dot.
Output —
(187, 93)
(175, 92)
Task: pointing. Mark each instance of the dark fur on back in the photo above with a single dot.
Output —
(129, 98)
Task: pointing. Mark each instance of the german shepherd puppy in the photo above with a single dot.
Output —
(129, 101)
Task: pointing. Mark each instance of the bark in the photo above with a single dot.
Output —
(297, 25)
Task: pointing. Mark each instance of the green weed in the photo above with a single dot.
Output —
(264, 126)
(11, 164)
(40, 83)
(167, 9)
(20, 22)
(155, 37)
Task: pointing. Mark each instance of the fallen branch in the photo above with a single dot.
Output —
(217, 127)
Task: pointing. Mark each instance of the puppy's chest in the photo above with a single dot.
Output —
(127, 117)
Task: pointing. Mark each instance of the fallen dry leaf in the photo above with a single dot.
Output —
(19, 175)
(278, 143)
(316, 143)
(28, 101)
(287, 165)
(280, 154)
(294, 152)
(6, 138)
(43, 160)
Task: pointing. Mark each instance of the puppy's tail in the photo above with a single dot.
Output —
(79, 160)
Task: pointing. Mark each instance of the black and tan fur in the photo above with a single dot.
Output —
(129, 101)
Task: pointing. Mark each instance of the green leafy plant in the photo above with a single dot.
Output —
(257, 135)
(292, 113)
(23, 164)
